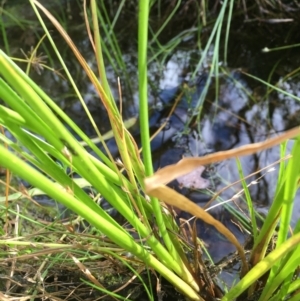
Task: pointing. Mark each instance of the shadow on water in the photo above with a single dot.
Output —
(244, 111)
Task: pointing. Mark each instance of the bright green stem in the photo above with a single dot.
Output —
(143, 84)
(144, 119)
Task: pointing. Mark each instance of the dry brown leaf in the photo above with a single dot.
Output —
(186, 165)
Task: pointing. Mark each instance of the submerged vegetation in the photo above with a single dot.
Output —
(85, 217)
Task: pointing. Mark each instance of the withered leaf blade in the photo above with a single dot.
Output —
(186, 165)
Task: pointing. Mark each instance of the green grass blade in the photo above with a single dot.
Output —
(262, 267)
(92, 215)
(248, 199)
